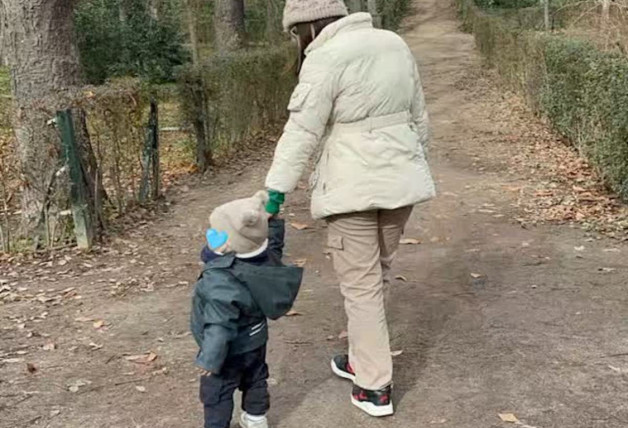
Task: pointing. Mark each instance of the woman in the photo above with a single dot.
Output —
(360, 100)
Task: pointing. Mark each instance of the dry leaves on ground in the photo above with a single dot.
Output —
(300, 226)
(508, 417)
(146, 358)
(300, 262)
(563, 186)
(410, 241)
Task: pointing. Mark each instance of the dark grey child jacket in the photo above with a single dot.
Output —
(234, 297)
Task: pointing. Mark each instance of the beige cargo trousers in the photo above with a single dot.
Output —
(363, 247)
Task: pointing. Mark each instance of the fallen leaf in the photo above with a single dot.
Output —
(54, 413)
(75, 386)
(141, 388)
(99, 324)
(410, 241)
(580, 249)
(299, 226)
(439, 422)
(50, 346)
(607, 270)
(95, 346)
(83, 319)
(476, 275)
(142, 358)
(396, 353)
(31, 368)
(343, 334)
(508, 417)
(300, 262)
(293, 313)
(401, 278)
(13, 360)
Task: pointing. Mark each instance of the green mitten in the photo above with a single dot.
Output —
(275, 200)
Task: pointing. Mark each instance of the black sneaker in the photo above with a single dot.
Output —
(341, 367)
(375, 403)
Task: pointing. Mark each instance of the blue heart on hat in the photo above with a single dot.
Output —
(216, 239)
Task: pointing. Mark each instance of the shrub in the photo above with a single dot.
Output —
(582, 90)
(393, 12)
(123, 38)
(232, 95)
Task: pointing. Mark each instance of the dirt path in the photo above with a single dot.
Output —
(492, 317)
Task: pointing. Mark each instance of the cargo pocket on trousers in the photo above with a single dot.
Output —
(211, 388)
(335, 243)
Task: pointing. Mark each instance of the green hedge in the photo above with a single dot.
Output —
(5, 98)
(231, 96)
(393, 12)
(582, 90)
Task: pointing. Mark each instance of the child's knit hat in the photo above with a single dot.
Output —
(299, 11)
(244, 221)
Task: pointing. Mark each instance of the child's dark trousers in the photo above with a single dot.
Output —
(248, 373)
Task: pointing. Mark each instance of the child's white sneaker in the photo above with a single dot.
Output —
(248, 421)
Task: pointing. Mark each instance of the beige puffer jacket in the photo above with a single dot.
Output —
(359, 98)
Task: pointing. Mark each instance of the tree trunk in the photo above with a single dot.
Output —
(373, 10)
(229, 24)
(273, 20)
(3, 60)
(44, 64)
(546, 14)
(191, 9)
(354, 5)
(606, 13)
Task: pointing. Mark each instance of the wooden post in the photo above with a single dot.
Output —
(150, 156)
(83, 223)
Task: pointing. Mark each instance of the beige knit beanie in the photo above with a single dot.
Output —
(245, 221)
(299, 11)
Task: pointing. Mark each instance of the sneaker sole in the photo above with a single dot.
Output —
(244, 424)
(341, 373)
(373, 410)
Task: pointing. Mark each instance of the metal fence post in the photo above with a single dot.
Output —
(81, 211)
(150, 157)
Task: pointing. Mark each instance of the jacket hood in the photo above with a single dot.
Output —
(274, 288)
(356, 21)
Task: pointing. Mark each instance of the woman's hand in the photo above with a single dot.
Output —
(275, 201)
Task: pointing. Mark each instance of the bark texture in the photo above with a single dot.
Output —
(229, 24)
(44, 64)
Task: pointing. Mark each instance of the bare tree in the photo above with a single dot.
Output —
(229, 24)
(44, 63)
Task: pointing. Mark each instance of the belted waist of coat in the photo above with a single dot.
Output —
(373, 123)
